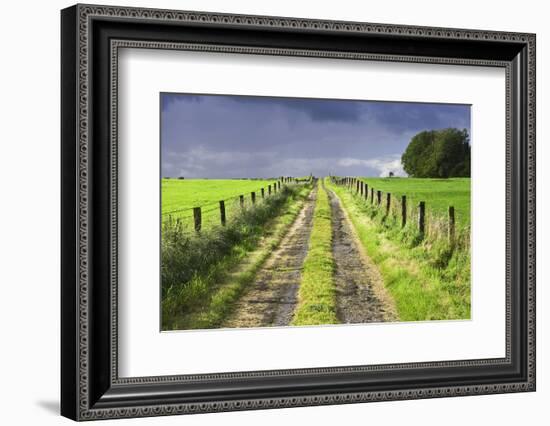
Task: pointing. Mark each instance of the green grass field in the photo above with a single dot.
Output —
(438, 194)
(427, 274)
(179, 196)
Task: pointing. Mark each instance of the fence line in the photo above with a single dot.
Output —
(403, 209)
(197, 213)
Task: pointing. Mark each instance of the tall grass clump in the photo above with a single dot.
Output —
(192, 262)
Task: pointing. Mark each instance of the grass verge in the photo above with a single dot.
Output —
(429, 279)
(205, 274)
(317, 293)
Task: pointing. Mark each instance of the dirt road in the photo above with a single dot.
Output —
(272, 299)
(360, 293)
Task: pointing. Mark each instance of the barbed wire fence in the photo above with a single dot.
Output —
(407, 211)
(219, 213)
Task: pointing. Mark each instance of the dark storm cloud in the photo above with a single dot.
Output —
(405, 115)
(241, 136)
(168, 99)
(316, 109)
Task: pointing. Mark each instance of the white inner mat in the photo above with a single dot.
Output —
(145, 351)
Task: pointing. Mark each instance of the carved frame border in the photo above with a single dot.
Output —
(86, 13)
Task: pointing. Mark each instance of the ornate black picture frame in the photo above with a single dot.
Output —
(91, 36)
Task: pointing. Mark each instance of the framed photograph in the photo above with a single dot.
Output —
(263, 212)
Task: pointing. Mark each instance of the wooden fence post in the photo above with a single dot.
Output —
(222, 212)
(378, 197)
(197, 217)
(403, 210)
(422, 217)
(357, 186)
(371, 195)
(451, 224)
(366, 191)
(253, 197)
(388, 203)
(268, 189)
(263, 192)
(279, 183)
(241, 200)
(275, 188)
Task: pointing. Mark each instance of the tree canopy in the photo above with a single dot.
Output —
(438, 154)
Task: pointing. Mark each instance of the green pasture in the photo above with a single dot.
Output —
(179, 196)
(438, 194)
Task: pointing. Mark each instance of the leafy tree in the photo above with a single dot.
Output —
(438, 154)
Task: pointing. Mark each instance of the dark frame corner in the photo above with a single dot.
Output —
(90, 37)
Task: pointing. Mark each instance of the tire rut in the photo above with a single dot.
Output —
(360, 294)
(272, 299)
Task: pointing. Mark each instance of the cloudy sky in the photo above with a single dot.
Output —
(215, 136)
